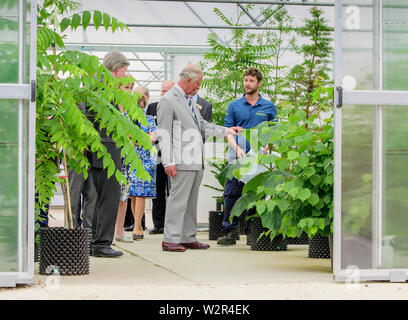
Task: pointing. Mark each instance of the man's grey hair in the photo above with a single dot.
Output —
(144, 90)
(191, 71)
(113, 60)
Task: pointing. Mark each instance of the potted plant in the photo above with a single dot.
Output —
(216, 217)
(299, 177)
(224, 63)
(218, 166)
(65, 80)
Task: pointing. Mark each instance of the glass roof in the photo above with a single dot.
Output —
(166, 35)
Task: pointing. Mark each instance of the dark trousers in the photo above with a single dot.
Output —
(79, 186)
(43, 216)
(129, 219)
(232, 192)
(159, 203)
(106, 208)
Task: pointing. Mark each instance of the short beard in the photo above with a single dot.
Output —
(252, 91)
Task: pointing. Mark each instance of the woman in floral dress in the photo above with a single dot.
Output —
(124, 188)
(140, 189)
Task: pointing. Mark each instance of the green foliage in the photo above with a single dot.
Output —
(306, 80)
(66, 81)
(219, 173)
(225, 63)
(295, 193)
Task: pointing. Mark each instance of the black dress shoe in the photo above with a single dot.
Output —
(106, 252)
(129, 228)
(156, 230)
(229, 239)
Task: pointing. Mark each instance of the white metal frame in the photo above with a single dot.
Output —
(23, 92)
(380, 99)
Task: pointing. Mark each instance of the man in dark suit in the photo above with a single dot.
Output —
(108, 190)
(162, 187)
(204, 106)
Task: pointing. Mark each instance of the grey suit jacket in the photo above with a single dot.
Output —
(181, 133)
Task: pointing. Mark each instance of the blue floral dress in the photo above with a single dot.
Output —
(138, 187)
(124, 188)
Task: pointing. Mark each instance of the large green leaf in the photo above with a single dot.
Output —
(75, 21)
(283, 204)
(106, 21)
(242, 204)
(255, 182)
(315, 179)
(304, 194)
(309, 171)
(97, 19)
(114, 24)
(293, 155)
(314, 199)
(86, 19)
(64, 24)
(272, 220)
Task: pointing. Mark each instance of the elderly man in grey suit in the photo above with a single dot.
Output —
(180, 126)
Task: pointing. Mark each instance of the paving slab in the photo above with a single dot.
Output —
(145, 272)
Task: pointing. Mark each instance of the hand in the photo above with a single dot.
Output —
(153, 137)
(171, 171)
(233, 130)
(266, 149)
(239, 152)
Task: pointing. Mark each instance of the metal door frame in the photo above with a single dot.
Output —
(380, 99)
(25, 92)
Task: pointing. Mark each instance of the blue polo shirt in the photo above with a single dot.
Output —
(241, 113)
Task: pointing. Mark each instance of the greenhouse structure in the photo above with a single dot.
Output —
(364, 68)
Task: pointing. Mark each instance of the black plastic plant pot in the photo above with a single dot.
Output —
(36, 252)
(219, 206)
(319, 247)
(264, 243)
(242, 223)
(303, 239)
(64, 251)
(36, 249)
(215, 224)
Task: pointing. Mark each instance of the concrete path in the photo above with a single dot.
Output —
(146, 272)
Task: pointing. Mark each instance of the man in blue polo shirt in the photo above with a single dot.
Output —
(247, 112)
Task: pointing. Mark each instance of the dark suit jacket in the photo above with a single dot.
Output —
(205, 108)
(151, 110)
(107, 141)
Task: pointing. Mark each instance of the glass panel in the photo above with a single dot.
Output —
(9, 185)
(359, 70)
(374, 144)
(395, 188)
(358, 245)
(9, 41)
(395, 45)
(357, 191)
(14, 68)
(26, 41)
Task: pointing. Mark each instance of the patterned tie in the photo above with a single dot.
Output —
(190, 103)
